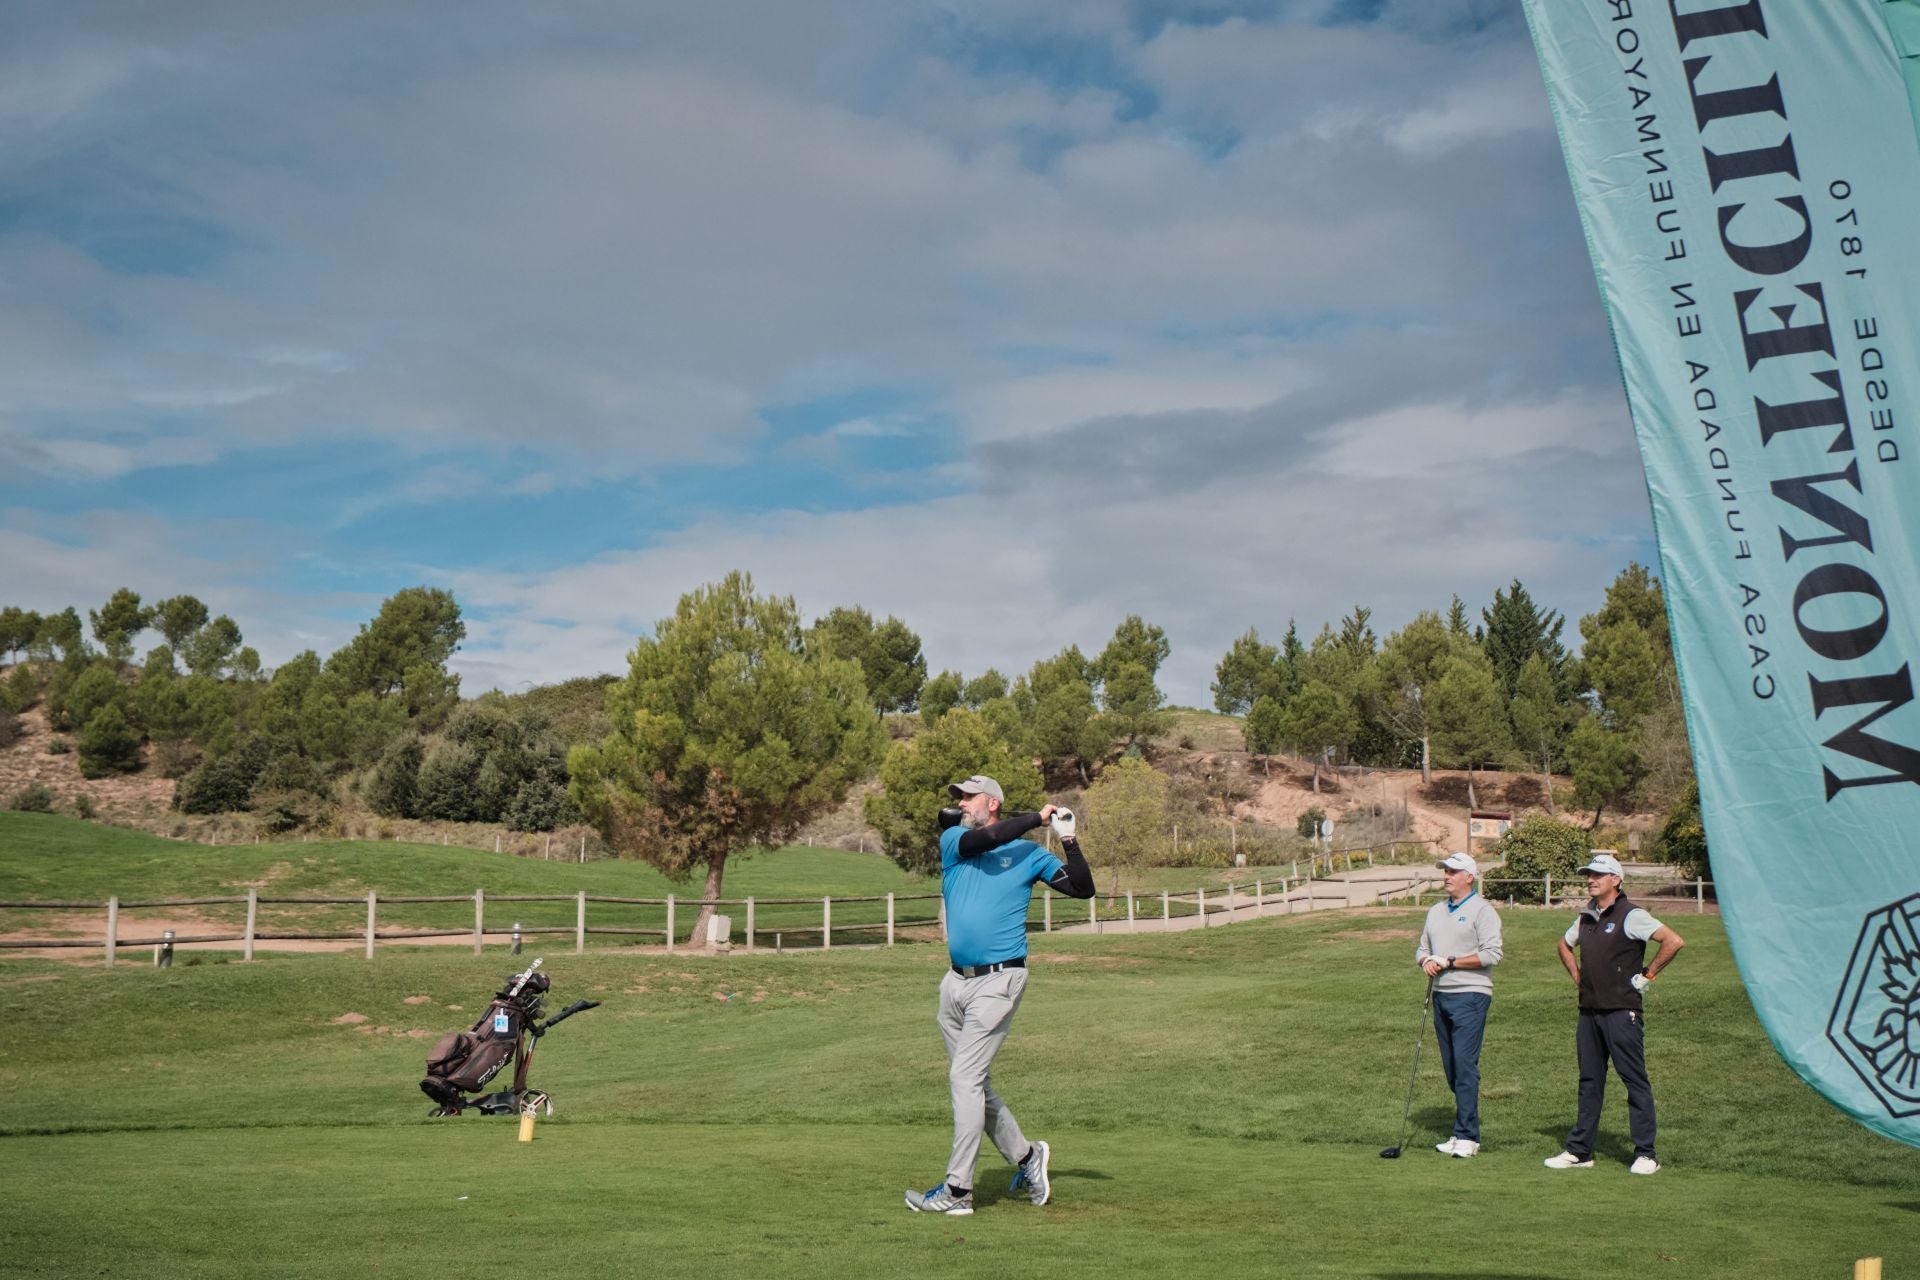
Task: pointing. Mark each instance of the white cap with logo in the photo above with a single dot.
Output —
(1603, 864)
(1457, 861)
(976, 785)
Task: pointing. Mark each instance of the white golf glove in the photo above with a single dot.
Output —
(1063, 823)
(1640, 981)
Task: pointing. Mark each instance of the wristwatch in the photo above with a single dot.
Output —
(1449, 962)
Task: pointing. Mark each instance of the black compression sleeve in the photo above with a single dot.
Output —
(978, 841)
(1076, 878)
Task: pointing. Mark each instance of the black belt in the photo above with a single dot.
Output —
(982, 970)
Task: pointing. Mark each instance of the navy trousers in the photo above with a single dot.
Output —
(1617, 1035)
(1459, 1024)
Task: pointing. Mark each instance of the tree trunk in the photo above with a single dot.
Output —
(1596, 815)
(1472, 803)
(1266, 763)
(1316, 775)
(716, 869)
(1426, 760)
(1546, 781)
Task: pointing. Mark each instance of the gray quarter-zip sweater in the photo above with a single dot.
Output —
(1470, 928)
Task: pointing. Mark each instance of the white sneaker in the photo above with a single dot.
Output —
(1568, 1160)
(1644, 1164)
(1446, 1148)
(1465, 1148)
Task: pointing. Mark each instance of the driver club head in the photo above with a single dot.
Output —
(1391, 1153)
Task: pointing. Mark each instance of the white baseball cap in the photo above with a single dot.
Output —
(1603, 863)
(1458, 861)
(974, 786)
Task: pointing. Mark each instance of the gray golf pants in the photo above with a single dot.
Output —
(975, 1016)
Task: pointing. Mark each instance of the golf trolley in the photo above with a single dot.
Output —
(466, 1061)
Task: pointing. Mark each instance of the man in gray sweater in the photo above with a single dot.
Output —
(1458, 947)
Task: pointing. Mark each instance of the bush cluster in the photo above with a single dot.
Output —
(1538, 846)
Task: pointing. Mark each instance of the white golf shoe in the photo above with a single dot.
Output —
(1644, 1165)
(1446, 1148)
(1568, 1160)
(1465, 1148)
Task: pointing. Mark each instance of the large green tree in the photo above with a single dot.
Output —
(1540, 720)
(1265, 730)
(940, 695)
(403, 653)
(1604, 767)
(178, 617)
(1517, 629)
(728, 735)
(210, 648)
(1060, 722)
(1317, 722)
(1469, 716)
(18, 627)
(1249, 669)
(1125, 811)
(1399, 682)
(118, 621)
(913, 784)
(888, 654)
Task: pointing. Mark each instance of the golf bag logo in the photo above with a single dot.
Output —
(1876, 1019)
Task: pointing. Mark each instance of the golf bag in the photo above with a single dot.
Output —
(465, 1062)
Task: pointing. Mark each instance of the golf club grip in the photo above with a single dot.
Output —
(578, 1006)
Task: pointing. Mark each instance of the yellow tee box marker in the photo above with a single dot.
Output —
(1866, 1269)
(526, 1135)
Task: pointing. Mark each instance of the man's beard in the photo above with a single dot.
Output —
(972, 821)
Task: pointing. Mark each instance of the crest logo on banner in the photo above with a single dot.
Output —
(1876, 1020)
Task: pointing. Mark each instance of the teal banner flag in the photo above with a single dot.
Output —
(1748, 177)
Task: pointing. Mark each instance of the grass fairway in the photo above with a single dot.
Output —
(1217, 1101)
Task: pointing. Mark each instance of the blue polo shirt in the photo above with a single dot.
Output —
(987, 897)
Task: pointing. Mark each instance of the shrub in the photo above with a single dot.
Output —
(108, 745)
(394, 789)
(1538, 846)
(225, 784)
(58, 747)
(33, 798)
(1308, 826)
(292, 773)
(9, 728)
(1683, 839)
(447, 782)
(83, 805)
(22, 689)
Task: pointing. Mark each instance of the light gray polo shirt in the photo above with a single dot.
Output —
(1468, 928)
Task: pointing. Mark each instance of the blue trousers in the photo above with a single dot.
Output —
(1459, 1024)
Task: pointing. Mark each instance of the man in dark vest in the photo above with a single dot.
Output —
(1612, 971)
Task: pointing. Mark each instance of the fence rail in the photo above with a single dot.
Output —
(1289, 894)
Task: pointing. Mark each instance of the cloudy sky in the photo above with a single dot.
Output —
(1010, 318)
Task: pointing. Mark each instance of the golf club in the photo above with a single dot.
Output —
(1419, 1036)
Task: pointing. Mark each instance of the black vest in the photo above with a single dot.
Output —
(1608, 958)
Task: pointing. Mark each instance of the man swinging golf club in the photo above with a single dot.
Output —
(987, 873)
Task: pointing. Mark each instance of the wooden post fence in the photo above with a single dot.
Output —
(253, 919)
(749, 924)
(372, 898)
(889, 919)
(580, 924)
(669, 922)
(113, 927)
(826, 924)
(479, 917)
